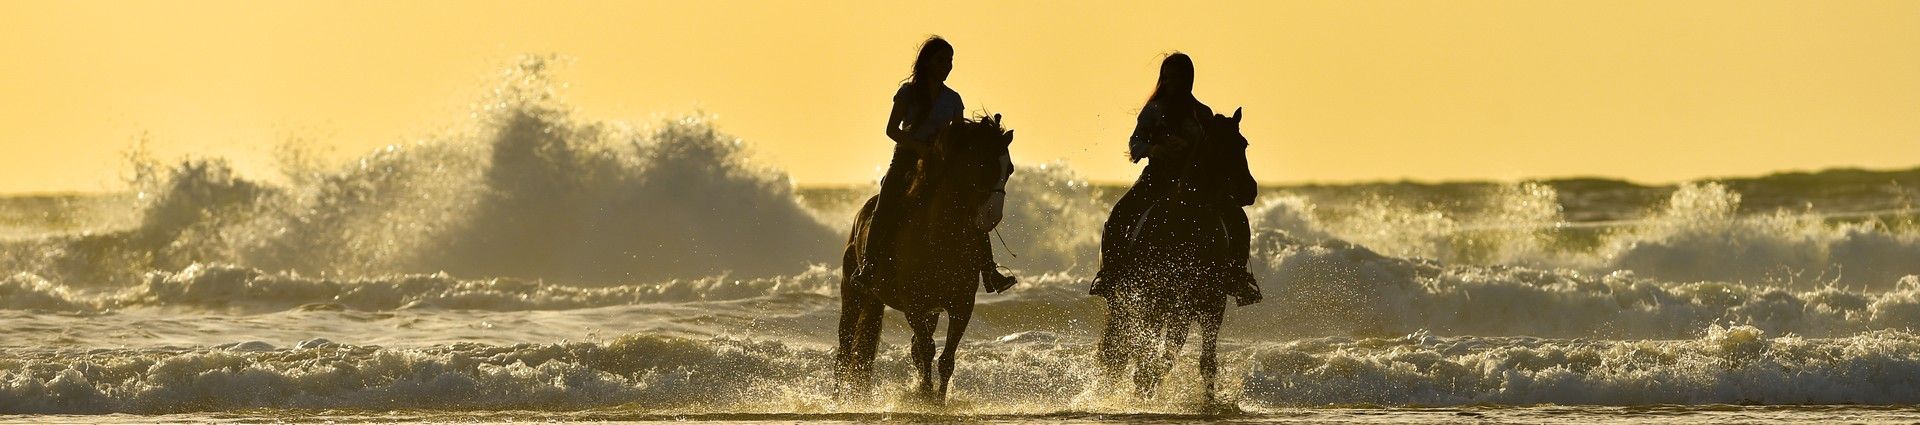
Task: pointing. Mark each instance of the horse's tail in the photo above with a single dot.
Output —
(857, 238)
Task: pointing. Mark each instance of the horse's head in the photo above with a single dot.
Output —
(1224, 131)
(965, 160)
(1226, 158)
(1215, 169)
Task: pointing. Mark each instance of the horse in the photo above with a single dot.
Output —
(1179, 246)
(937, 247)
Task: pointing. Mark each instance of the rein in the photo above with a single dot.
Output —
(1003, 242)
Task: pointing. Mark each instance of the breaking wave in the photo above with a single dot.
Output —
(528, 192)
(1314, 290)
(1697, 235)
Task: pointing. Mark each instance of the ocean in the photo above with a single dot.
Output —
(541, 267)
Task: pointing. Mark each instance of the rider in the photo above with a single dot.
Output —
(1168, 125)
(922, 107)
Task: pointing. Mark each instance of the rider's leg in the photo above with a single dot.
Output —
(876, 268)
(990, 276)
(1113, 238)
(1239, 281)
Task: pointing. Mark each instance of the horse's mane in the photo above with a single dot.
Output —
(981, 138)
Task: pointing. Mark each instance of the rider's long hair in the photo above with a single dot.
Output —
(934, 47)
(1174, 91)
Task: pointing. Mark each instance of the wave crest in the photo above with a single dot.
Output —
(529, 192)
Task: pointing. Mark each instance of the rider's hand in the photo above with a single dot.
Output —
(990, 213)
(921, 147)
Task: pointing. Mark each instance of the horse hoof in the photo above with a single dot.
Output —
(923, 401)
(1216, 407)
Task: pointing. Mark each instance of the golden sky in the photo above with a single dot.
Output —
(1334, 91)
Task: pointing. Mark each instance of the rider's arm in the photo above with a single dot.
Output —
(1140, 145)
(897, 121)
(945, 110)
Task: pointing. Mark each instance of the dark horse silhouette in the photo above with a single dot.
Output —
(1179, 246)
(938, 249)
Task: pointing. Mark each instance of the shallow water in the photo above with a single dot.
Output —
(1717, 414)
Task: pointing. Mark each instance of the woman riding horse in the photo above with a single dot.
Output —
(1176, 244)
(921, 246)
(922, 107)
(1170, 125)
(939, 247)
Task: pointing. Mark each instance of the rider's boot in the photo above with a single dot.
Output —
(1238, 281)
(875, 272)
(995, 282)
(1104, 280)
(1239, 284)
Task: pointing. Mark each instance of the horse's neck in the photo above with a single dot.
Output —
(937, 206)
(1167, 172)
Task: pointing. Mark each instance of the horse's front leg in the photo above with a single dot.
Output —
(923, 326)
(1212, 313)
(957, 317)
(1117, 341)
(1172, 335)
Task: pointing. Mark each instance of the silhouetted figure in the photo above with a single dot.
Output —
(1175, 247)
(922, 108)
(944, 212)
(1171, 132)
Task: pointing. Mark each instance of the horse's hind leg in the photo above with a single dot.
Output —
(1212, 313)
(843, 354)
(849, 322)
(956, 327)
(859, 334)
(923, 326)
(859, 327)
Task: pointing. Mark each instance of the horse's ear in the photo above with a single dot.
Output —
(1236, 115)
(1007, 139)
(996, 120)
